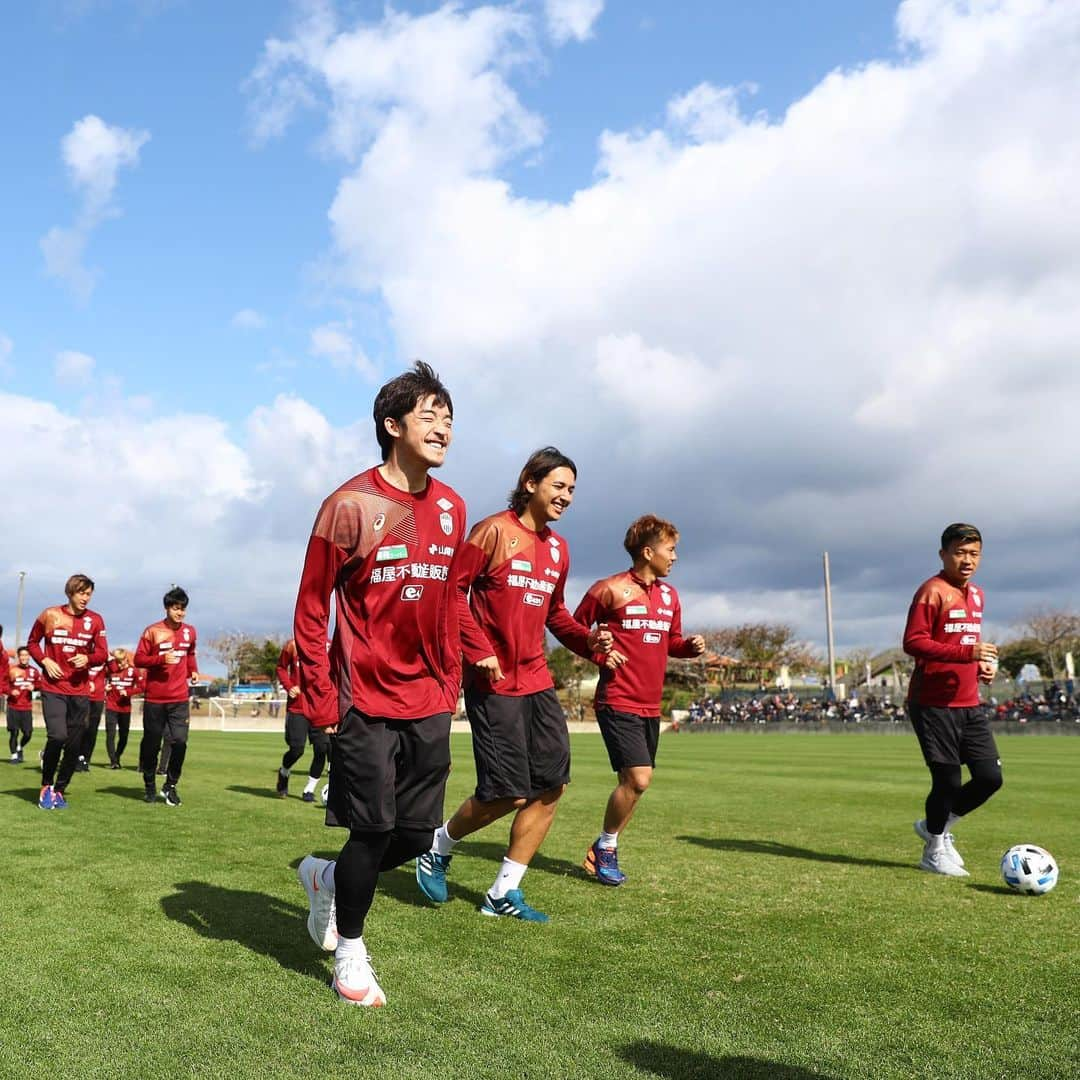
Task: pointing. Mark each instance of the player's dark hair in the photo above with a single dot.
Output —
(540, 463)
(175, 595)
(21, 648)
(960, 533)
(401, 395)
(648, 531)
(76, 583)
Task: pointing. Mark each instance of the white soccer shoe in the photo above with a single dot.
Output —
(924, 834)
(940, 862)
(322, 916)
(355, 982)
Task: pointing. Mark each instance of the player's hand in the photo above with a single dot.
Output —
(52, 668)
(600, 640)
(983, 651)
(614, 659)
(698, 643)
(489, 668)
(80, 660)
(194, 678)
(294, 692)
(987, 671)
(173, 657)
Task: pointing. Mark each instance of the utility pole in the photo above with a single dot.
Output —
(19, 609)
(828, 628)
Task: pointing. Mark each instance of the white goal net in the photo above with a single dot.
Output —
(244, 713)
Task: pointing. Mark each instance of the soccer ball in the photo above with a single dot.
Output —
(1029, 869)
(325, 796)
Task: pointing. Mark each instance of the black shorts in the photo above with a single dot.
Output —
(65, 715)
(296, 730)
(631, 740)
(520, 744)
(385, 773)
(20, 719)
(953, 736)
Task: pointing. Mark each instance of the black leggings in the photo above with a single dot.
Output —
(116, 722)
(365, 856)
(948, 795)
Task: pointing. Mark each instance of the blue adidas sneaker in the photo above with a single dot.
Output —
(603, 864)
(512, 904)
(431, 870)
(58, 800)
(45, 799)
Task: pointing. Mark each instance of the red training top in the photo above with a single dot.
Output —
(5, 669)
(385, 555)
(517, 578)
(167, 683)
(646, 623)
(96, 685)
(944, 623)
(59, 635)
(23, 681)
(121, 686)
(288, 673)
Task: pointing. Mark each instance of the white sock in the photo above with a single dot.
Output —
(950, 821)
(328, 876)
(350, 948)
(312, 783)
(608, 840)
(443, 843)
(285, 772)
(509, 877)
(935, 843)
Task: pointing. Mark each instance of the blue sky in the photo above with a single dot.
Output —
(798, 276)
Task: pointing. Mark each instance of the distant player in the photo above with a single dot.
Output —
(65, 641)
(23, 681)
(644, 616)
(96, 698)
(166, 651)
(511, 574)
(297, 728)
(123, 682)
(944, 635)
(382, 546)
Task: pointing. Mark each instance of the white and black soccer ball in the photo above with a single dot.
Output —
(325, 794)
(1029, 869)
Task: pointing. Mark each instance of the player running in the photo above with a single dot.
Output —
(65, 641)
(943, 634)
(646, 622)
(166, 651)
(516, 568)
(96, 698)
(382, 546)
(297, 728)
(23, 680)
(124, 681)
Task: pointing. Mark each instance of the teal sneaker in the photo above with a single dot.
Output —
(431, 870)
(512, 904)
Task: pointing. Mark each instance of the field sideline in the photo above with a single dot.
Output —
(774, 926)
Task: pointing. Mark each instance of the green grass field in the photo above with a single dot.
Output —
(774, 925)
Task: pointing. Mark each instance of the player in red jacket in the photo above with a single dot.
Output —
(123, 682)
(65, 641)
(643, 613)
(297, 729)
(166, 651)
(96, 697)
(23, 681)
(511, 574)
(944, 635)
(382, 547)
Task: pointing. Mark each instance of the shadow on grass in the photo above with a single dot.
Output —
(28, 794)
(261, 923)
(658, 1059)
(260, 792)
(995, 890)
(138, 794)
(774, 847)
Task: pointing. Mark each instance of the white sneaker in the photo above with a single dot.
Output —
(355, 982)
(322, 917)
(950, 846)
(14, 759)
(939, 862)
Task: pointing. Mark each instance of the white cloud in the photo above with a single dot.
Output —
(73, 368)
(865, 307)
(334, 343)
(248, 319)
(93, 152)
(572, 20)
(7, 347)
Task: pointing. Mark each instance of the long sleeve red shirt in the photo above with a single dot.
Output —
(96, 685)
(386, 557)
(23, 682)
(517, 579)
(122, 684)
(59, 635)
(288, 673)
(646, 623)
(167, 683)
(6, 662)
(944, 624)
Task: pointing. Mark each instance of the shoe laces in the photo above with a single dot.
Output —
(608, 858)
(440, 862)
